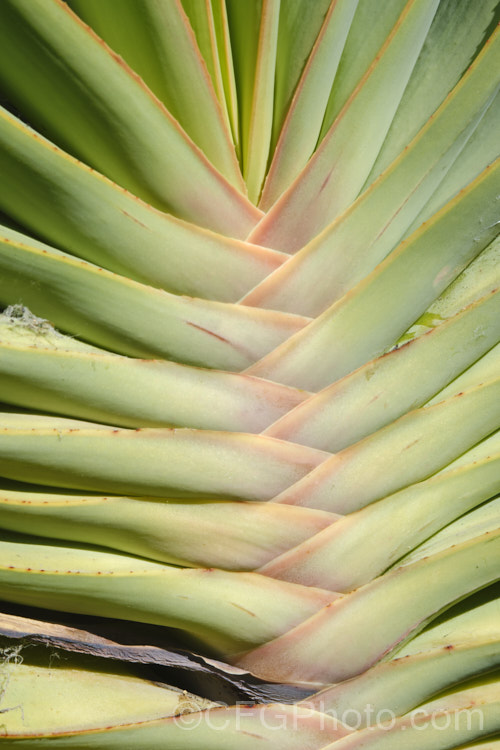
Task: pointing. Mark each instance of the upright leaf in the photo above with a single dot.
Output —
(210, 25)
(254, 30)
(101, 111)
(396, 293)
(156, 40)
(302, 125)
(75, 208)
(337, 171)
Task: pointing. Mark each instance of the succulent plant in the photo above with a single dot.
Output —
(249, 371)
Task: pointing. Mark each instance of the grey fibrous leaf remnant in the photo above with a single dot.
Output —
(8, 656)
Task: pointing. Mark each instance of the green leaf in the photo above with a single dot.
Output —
(210, 25)
(480, 278)
(42, 369)
(371, 26)
(197, 533)
(455, 37)
(84, 213)
(385, 388)
(225, 610)
(480, 150)
(157, 41)
(338, 169)
(295, 42)
(79, 699)
(481, 371)
(108, 117)
(357, 631)
(407, 450)
(160, 462)
(440, 656)
(394, 295)
(482, 520)
(120, 314)
(460, 139)
(302, 125)
(362, 545)
(447, 722)
(254, 31)
(85, 707)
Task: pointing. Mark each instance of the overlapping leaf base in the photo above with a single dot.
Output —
(249, 366)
